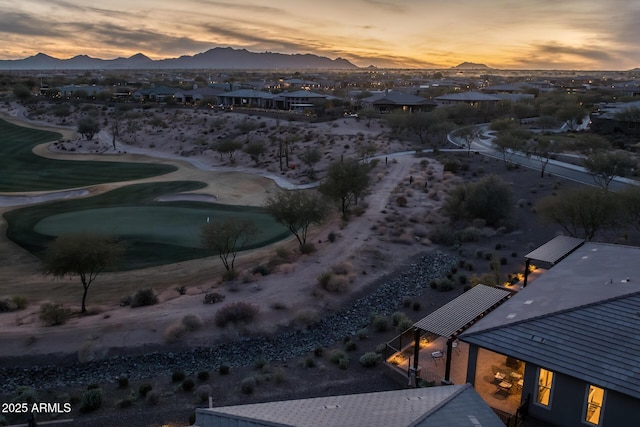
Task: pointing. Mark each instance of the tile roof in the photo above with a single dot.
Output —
(452, 405)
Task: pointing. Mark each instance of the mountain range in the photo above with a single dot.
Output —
(216, 58)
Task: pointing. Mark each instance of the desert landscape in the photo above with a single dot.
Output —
(382, 239)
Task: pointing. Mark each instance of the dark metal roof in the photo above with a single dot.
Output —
(456, 314)
(410, 407)
(597, 343)
(555, 249)
(579, 318)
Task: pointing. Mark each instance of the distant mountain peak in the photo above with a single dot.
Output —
(215, 58)
(470, 66)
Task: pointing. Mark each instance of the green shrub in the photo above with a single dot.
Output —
(308, 248)
(224, 369)
(203, 375)
(12, 304)
(213, 297)
(309, 362)
(262, 270)
(54, 314)
(24, 394)
(178, 376)
(488, 198)
(369, 360)
(350, 346)
(236, 313)
(144, 297)
(442, 235)
(340, 358)
(416, 306)
(187, 384)
(192, 322)
(174, 332)
(92, 400)
(144, 389)
(248, 385)
(260, 363)
(152, 398)
(332, 237)
(380, 323)
(445, 285)
(401, 201)
(318, 351)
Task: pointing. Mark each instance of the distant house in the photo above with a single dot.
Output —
(155, 93)
(197, 95)
(247, 98)
(481, 101)
(392, 100)
(451, 406)
(300, 100)
(570, 341)
(610, 118)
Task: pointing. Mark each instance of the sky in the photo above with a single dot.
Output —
(513, 34)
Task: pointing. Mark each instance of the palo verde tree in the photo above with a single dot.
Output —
(582, 212)
(297, 210)
(88, 126)
(226, 237)
(84, 254)
(604, 166)
(346, 182)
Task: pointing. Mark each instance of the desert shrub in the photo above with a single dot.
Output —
(203, 392)
(177, 376)
(187, 384)
(308, 362)
(340, 358)
(451, 166)
(462, 279)
(203, 375)
(248, 385)
(318, 351)
(369, 360)
(445, 285)
(324, 279)
(192, 322)
(54, 314)
(331, 237)
(350, 346)
(174, 332)
(362, 334)
(468, 234)
(123, 381)
(401, 201)
(279, 376)
(308, 248)
(381, 348)
(236, 313)
(443, 235)
(416, 306)
(307, 316)
(12, 304)
(341, 268)
(398, 317)
(224, 369)
(503, 261)
(92, 400)
(337, 284)
(144, 297)
(404, 324)
(152, 398)
(144, 389)
(262, 270)
(380, 323)
(488, 199)
(213, 297)
(260, 363)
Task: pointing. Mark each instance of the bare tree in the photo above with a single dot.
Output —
(227, 237)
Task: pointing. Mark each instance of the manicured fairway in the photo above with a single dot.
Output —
(21, 170)
(155, 233)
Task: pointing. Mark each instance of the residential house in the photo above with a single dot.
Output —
(247, 98)
(392, 100)
(610, 118)
(479, 100)
(568, 345)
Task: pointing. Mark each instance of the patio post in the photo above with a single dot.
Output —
(526, 272)
(416, 352)
(447, 369)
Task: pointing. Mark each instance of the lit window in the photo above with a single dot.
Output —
(595, 400)
(545, 381)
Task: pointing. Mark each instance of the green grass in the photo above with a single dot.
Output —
(155, 233)
(21, 170)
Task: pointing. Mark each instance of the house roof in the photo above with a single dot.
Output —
(455, 405)
(301, 94)
(467, 97)
(247, 93)
(555, 249)
(463, 310)
(581, 318)
(395, 97)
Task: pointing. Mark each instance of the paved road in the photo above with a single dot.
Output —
(483, 145)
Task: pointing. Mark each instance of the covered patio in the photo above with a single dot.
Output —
(429, 350)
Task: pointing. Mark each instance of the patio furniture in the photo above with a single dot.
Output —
(504, 386)
(499, 377)
(435, 355)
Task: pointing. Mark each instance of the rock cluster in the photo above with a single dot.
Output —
(388, 291)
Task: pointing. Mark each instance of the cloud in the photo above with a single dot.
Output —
(25, 24)
(387, 6)
(588, 53)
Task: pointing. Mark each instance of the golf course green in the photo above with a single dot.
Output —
(21, 170)
(155, 233)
